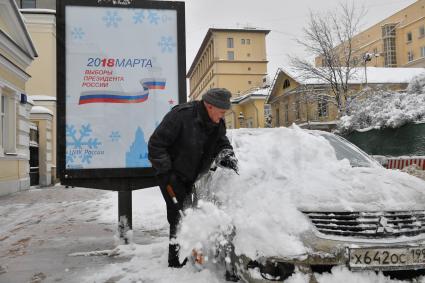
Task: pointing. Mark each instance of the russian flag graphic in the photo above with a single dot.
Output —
(105, 96)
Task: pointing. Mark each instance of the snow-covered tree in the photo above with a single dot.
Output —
(330, 36)
(386, 109)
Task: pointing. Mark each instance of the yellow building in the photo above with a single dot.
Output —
(41, 24)
(235, 59)
(249, 109)
(397, 41)
(16, 53)
(310, 102)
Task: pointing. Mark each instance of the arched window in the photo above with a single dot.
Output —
(286, 84)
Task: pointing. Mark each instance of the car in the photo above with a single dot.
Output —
(307, 201)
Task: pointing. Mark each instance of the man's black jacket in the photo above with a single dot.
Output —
(186, 142)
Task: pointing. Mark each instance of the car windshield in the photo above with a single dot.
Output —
(343, 149)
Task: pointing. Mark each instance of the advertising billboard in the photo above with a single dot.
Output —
(121, 68)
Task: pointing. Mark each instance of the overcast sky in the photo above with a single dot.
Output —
(285, 20)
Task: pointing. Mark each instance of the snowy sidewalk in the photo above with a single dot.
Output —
(41, 228)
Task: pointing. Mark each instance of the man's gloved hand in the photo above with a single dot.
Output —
(227, 159)
(166, 179)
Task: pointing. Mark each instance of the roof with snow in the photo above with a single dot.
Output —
(43, 98)
(374, 75)
(40, 110)
(254, 93)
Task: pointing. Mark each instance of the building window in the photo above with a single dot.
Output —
(409, 37)
(249, 82)
(230, 55)
(423, 51)
(7, 123)
(242, 41)
(297, 110)
(410, 56)
(248, 54)
(249, 68)
(286, 84)
(28, 4)
(389, 51)
(286, 113)
(421, 31)
(229, 42)
(249, 123)
(267, 110)
(277, 118)
(322, 107)
(248, 41)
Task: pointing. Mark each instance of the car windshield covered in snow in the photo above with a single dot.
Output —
(344, 149)
(307, 199)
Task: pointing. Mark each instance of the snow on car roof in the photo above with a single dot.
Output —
(284, 171)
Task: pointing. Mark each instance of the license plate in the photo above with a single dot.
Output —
(387, 258)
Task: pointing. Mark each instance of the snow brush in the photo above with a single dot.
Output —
(174, 199)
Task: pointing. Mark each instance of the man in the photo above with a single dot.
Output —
(182, 148)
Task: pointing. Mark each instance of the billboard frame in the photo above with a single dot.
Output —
(116, 179)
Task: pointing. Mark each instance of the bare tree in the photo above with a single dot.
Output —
(330, 37)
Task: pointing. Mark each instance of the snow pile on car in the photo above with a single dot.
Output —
(284, 171)
(386, 109)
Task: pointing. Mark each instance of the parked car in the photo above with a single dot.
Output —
(306, 201)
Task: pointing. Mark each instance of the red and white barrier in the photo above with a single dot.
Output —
(401, 162)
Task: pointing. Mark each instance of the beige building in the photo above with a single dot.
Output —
(310, 103)
(249, 109)
(16, 54)
(235, 59)
(41, 24)
(397, 41)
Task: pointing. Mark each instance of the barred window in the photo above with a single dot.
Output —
(322, 107)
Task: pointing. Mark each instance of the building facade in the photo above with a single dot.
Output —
(310, 103)
(249, 110)
(16, 54)
(41, 24)
(235, 59)
(232, 58)
(397, 41)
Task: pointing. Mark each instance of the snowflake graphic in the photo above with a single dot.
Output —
(139, 16)
(111, 19)
(115, 136)
(76, 146)
(77, 33)
(153, 17)
(167, 44)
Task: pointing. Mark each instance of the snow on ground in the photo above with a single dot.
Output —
(41, 228)
(385, 108)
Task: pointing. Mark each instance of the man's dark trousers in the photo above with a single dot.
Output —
(183, 192)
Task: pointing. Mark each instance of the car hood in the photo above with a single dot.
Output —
(362, 189)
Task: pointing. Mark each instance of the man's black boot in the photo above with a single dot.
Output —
(231, 276)
(173, 256)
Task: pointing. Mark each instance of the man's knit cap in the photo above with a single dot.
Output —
(218, 97)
